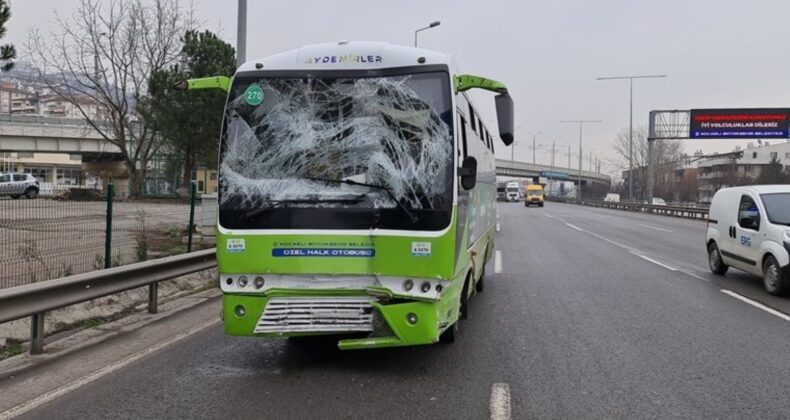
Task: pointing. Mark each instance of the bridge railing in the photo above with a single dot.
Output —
(698, 213)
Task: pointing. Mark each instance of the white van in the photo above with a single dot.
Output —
(612, 198)
(749, 229)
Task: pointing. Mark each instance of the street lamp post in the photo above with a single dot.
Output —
(581, 156)
(241, 33)
(534, 148)
(553, 150)
(631, 124)
(431, 25)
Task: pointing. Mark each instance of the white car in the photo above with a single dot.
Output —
(658, 201)
(749, 229)
(16, 184)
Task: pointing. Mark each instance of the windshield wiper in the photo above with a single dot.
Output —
(270, 205)
(388, 190)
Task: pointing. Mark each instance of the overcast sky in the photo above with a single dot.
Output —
(717, 53)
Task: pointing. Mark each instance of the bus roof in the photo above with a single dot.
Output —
(347, 55)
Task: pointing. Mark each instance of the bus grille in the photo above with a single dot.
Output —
(329, 314)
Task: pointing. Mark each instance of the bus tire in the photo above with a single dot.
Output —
(464, 306)
(480, 285)
(449, 335)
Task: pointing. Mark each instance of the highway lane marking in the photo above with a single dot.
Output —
(690, 274)
(756, 304)
(497, 262)
(572, 226)
(85, 380)
(499, 404)
(497, 227)
(659, 263)
(656, 228)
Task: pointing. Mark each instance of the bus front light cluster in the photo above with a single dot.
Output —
(408, 285)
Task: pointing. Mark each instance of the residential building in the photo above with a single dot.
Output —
(739, 167)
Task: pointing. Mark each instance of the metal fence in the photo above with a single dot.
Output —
(68, 231)
(699, 213)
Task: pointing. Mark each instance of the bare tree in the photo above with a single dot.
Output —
(667, 155)
(100, 60)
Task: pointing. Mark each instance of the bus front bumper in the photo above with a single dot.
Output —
(294, 313)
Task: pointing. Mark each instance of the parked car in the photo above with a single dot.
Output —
(15, 185)
(658, 201)
(749, 229)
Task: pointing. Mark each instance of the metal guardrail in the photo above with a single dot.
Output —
(34, 300)
(698, 213)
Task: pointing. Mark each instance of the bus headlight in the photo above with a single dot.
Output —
(242, 281)
(408, 285)
(425, 287)
(258, 282)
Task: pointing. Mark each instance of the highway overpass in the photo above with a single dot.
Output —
(528, 170)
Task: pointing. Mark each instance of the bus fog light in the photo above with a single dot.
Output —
(229, 281)
(425, 287)
(243, 281)
(411, 318)
(258, 282)
(408, 284)
(239, 311)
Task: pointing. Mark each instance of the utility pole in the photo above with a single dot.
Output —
(631, 124)
(241, 34)
(534, 147)
(581, 155)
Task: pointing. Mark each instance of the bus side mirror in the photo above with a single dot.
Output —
(504, 115)
(468, 173)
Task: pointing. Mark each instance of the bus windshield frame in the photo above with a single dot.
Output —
(382, 124)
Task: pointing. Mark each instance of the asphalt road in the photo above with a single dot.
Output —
(597, 314)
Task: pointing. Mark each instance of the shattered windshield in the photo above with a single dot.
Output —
(338, 145)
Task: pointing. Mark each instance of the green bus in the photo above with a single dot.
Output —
(357, 194)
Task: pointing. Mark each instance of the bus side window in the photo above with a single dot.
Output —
(480, 122)
(463, 134)
(472, 117)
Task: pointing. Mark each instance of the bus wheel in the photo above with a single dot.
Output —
(448, 336)
(480, 283)
(464, 308)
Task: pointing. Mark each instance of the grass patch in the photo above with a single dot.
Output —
(89, 323)
(11, 349)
